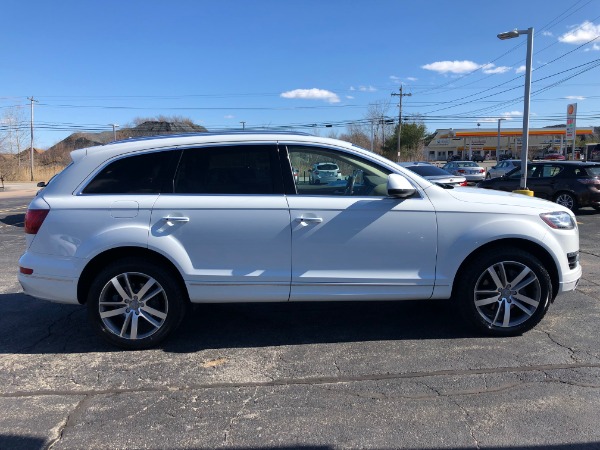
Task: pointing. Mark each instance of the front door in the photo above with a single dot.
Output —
(350, 241)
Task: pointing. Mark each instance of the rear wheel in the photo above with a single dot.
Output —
(135, 304)
(504, 293)
(566, 199)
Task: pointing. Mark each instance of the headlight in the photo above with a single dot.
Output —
(559, 220)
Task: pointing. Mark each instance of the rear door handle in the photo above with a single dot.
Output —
(176, 219)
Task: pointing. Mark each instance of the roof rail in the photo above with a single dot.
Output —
(210, 133)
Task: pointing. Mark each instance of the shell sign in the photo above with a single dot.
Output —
(571, 124)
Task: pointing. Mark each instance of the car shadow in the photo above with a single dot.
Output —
(17, 220)
(36, 327)
(214, 326)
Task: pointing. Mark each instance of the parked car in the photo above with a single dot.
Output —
(141, 229)
(324, 172)
(573, 184)
(502, 168)
(454, 158)
(554, 156)
(468, 169)
(435, 174)
(505, 156)
(477, 157)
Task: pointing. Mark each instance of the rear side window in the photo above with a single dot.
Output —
(593, 171)
(239, 169)
(149, 173)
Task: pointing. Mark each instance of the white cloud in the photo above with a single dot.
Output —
(352, 88)
(395, 79)
(452, 66)
(594, 47)
(508, 115)
(349, 97)
(547, 33)
(581, 34)
(229, 116)
(412, 79)
(491, 68)
(312, 94)
(520, 69)
(367, 89)
(574, 97)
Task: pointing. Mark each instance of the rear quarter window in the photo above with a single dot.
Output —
(149, 173)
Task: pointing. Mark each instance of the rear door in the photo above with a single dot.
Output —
(227, 224)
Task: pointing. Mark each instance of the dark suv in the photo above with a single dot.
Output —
(569, 183)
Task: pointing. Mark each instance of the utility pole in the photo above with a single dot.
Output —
(243, 124)
(31, 99)
(400, 95)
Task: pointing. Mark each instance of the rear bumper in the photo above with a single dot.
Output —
(52, 278)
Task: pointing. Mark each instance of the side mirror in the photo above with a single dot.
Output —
(398, 186)
(41, 184)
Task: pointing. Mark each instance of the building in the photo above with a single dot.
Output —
(484, 142)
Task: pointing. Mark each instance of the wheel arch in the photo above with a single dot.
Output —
(523, 244)
(102, 259)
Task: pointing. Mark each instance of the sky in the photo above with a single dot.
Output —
(300, 65)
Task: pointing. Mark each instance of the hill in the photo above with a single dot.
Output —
(59, 153)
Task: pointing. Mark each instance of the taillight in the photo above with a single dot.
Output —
(464, 183)
(592, 181)
(34, 219)
(461, 171)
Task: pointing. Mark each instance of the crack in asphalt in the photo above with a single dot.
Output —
(67, 422)
(315, 381)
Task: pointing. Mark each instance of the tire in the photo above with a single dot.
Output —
(566, 199)
(120, 317)
(489, 300)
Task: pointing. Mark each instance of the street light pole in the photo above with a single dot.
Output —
(498, 145)
(114, 126)
(526, 100)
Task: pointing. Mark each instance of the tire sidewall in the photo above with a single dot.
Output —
(174, 294)
(469, 277)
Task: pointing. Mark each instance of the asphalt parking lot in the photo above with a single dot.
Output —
(322, 376)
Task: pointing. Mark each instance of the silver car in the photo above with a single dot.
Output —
(324, 172)
(468, 169)
(502, 168)
(435, 174)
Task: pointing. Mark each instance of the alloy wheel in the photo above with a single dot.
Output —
(133, 305)
(507, 294)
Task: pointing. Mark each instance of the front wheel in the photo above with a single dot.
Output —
(504, 293)
(135, 304)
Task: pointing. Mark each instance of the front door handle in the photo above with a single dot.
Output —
(309, 219)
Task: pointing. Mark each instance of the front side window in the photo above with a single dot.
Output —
(324, 171)
(149, 173)
(236, 169)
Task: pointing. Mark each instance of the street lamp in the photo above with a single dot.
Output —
(114, 126)
(524, 149)
(498, 145)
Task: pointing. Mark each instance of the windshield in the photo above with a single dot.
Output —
(466, 164)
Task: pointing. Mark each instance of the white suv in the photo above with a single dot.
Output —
(139, 230)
